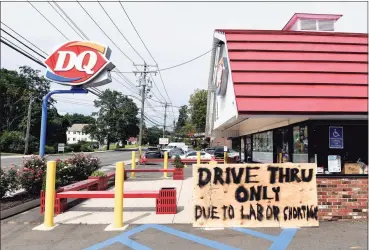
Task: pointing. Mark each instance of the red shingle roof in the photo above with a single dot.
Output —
(298, 72)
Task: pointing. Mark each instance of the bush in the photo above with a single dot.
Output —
(178, 162)
(75, 147)
(13, 142)
(86, 148)
(8, 181)
(32, 174)
(80, 167)
(98, 174)
(49, 149)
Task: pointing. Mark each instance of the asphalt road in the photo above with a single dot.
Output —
(106, 158)
(328, 236)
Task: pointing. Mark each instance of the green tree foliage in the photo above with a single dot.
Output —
(182, 118)
(153, 135)
(116, 119)
(16, 88)
(79, 119)
(197, 109)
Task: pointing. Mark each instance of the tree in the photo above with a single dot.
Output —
(79, 119)
(197, 110)
(16, 87)
(153, 135)
(116, 119)
(182, 118)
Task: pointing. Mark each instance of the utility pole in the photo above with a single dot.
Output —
(165, 118)
(143, 82)
(28, 124)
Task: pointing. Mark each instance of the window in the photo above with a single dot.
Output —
(326, 25)
(68, 139)
(74, 132)
(308, 24)
(263, 142)
(300, 139)
(74, 139)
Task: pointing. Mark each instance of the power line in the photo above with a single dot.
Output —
(120, 31)
(104, 32)
(146, 49)
(65, 20)
(136, 31)
(19, 50)
(70, 19)
(24, 38)
(22, 43)
(178, 65)
(48, 20)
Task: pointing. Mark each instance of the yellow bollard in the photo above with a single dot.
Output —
(165, 164)
(198, 157)
(118, 197)
(50, 194)
(133, 163)
(225, 157)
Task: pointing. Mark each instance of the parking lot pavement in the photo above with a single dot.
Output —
(329, 235)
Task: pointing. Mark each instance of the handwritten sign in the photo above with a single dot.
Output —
(255, 195)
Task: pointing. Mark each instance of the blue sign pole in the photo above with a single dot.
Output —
(45, 101)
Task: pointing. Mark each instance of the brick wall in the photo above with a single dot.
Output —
(342, 198)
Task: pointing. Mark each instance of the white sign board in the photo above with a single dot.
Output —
(334, 163)
(225, 149)
(61, 147)
(163, 141)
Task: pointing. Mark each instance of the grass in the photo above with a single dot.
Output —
(130, 146)
(8, 154)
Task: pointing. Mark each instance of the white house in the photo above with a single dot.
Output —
(76, 134)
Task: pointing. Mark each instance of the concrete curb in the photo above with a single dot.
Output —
(19, 209)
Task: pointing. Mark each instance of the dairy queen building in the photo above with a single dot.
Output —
(298, 95)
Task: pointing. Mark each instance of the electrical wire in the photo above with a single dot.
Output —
(24, 38)
(48, 20)
(178, 65)
(19, 50)
(104, 32)
(146, 49)
(120, 31)
(25, 45)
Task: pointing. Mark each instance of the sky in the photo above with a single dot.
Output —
(173, 32)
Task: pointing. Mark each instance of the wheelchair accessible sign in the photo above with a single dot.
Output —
(336, 137)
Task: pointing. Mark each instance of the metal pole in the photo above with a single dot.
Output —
(118, 196)
(165, 118)
(28, 124)
(143, 93)
(44, 113)
(50, 194)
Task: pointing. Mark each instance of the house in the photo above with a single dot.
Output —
(75, 134)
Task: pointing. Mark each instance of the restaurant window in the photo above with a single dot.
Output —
(262, 147)
(300, 144)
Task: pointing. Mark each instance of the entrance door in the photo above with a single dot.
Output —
(282, 145)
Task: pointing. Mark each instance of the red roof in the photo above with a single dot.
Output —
(299, 72)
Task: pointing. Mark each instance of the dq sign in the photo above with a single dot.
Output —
(80, 63)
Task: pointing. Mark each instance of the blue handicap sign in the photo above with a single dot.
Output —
(336, 137)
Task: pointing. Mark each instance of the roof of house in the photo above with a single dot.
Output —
(76, 127)
(298, 72)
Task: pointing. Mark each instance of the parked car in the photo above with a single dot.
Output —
(173, 145)
(152, 152)
(219, 154)
(174, 152)
(193, 155)
(210, 150)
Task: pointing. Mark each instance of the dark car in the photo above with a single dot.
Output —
(210, 150)
(152, 152)
(175, 152)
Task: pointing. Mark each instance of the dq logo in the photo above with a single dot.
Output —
(80, 63)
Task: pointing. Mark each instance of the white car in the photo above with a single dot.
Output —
(193, 156)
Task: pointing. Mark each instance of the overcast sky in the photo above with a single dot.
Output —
(173, 32)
